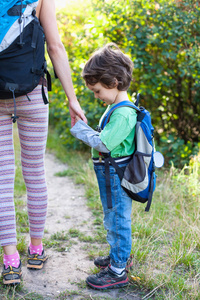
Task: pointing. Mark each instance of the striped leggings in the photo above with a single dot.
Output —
(32, 128)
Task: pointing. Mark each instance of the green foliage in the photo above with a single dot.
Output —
(163, 41)
(176, 151)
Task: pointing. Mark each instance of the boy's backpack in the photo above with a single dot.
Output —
(22, 60)
(138, 179)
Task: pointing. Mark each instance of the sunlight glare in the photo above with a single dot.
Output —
(64, 3)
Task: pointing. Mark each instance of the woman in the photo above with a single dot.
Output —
(32, 126)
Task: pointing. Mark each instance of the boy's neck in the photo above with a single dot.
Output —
(121, 96)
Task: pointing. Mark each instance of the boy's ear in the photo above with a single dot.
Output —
(116, 82)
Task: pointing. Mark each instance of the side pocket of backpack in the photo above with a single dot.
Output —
(136, 173)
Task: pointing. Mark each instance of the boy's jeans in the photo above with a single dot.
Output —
(117, 220)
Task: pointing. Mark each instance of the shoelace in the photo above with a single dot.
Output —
(110, 272)
(11, 271)
(102, 273)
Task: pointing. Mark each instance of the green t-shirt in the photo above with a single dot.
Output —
(118, 134)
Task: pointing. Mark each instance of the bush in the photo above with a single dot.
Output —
(163, 40)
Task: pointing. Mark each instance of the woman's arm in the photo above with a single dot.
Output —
(47, 16)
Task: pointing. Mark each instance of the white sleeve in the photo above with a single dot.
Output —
(88, 136)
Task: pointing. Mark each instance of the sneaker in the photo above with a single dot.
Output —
(103, 261)
(107, 279)
(36, 261)
(12, 275)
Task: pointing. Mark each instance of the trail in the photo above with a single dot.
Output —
(66, 270)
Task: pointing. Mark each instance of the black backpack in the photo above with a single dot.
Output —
(23, 64)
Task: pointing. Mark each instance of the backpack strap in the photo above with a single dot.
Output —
(48, 76)
(45, 100)
(14, 116)
(137, 100)
(108, 188)
(150, 193)
(35, 31)
(126, 103)
(44, 70)
(108, 159)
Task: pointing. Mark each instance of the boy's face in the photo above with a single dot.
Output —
(109, 96)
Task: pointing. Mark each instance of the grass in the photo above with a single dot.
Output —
(59, 241)
(166, 240)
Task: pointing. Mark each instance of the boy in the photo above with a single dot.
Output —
(108, 74)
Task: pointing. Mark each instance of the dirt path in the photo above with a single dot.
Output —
(66, 270)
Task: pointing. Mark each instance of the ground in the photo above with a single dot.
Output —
(64, 273)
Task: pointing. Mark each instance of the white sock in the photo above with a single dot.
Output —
(117, 270)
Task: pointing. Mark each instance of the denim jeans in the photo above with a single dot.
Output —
(117, 220)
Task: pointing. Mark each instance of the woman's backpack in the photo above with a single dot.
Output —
(22, 52)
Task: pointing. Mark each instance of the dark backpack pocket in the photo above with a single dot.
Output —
(136, 177)
(22, 65)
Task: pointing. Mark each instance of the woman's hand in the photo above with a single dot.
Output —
(76, 112)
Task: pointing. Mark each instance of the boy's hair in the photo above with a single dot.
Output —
(108, 64)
